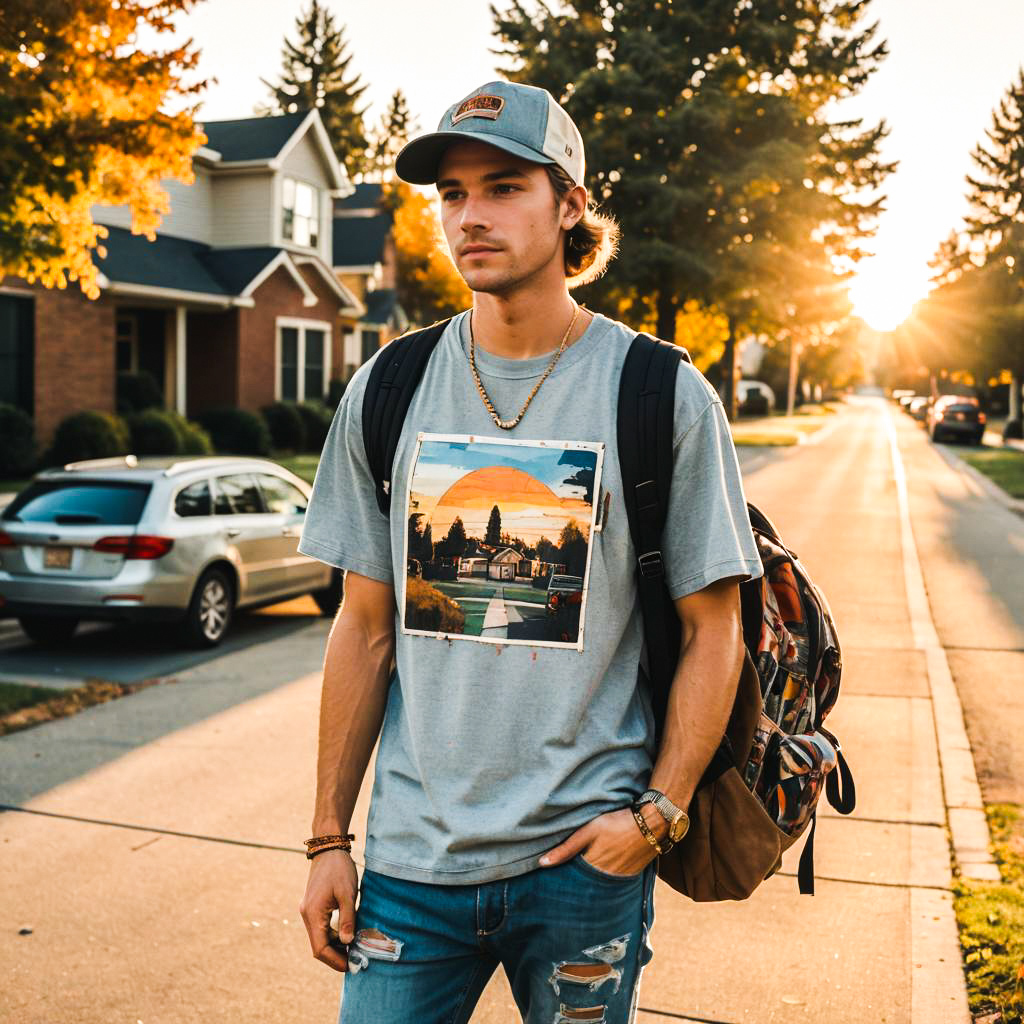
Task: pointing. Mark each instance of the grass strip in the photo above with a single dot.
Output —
(1004, 468)
(763, 438)
(23, 706)
(991, 920)
(301, 465)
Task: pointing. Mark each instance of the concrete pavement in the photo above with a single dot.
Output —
(145, 925)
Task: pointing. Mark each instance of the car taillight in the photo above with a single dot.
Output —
(138, 546)
(7, 541)
(981, 417)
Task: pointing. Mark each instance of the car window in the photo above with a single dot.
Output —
(237, 495)
(193, 500)
(281, 496)
(79, 502)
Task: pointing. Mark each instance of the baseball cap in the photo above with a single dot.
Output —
(521, 119)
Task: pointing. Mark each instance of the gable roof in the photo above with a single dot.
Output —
(365, 197)
(382, 308)
(170, 267)
(359, 241)
(252, 138)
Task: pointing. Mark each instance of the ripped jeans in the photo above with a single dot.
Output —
(572, 940)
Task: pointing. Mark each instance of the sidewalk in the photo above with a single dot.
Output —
(146, 926)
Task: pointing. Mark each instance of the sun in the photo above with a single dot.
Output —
(884, 296)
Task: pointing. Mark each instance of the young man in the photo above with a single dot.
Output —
(517, 804)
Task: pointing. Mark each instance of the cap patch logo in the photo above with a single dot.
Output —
(479, 106)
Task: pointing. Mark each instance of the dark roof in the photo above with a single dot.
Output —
(365, 197)
(178, 263)
(237, 267)
(165, 263)
(381, 305)
(359, 241)
(252, 138)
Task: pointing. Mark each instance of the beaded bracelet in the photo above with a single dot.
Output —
(318, 844)
(645, 829)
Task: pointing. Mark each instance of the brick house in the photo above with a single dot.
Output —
(365, 262)
(234, 303)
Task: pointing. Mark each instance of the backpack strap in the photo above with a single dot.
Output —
(393, 381)
(646, 414)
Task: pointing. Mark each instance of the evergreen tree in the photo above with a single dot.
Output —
(395, 128)
(493, 534)
(455, 540)
(313, 74)
(996, 221)
(707, 137)
(426, 548)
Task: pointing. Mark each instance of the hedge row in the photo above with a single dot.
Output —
(147, 430)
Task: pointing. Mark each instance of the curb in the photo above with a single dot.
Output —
(986, 486)
(965, 810)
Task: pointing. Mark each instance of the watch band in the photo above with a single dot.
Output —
(678, 820)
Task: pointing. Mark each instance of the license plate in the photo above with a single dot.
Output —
(56, 558)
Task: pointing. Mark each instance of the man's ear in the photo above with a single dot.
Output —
(574, 206)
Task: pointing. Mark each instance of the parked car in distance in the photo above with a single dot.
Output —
(958, 417)
(167, 539)
(918, 407)
(560, 584)
(905, 400)
(754, 398)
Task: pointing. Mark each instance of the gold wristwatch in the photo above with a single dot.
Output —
(678, 820)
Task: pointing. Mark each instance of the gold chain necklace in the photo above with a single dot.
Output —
(509, 424)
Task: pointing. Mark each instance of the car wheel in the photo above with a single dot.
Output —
(48, 631)
(328, 600)
(936, 436)
(209, 612)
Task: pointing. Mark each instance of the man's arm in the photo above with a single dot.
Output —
(699, 703)
(357, 667)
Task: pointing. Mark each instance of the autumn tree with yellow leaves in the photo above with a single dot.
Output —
(84, 120)
(429, 286)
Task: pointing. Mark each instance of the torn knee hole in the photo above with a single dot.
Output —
(591, 975)
(372, 944)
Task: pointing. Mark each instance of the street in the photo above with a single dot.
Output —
(155, 853)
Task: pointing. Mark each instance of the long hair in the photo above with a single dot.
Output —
(592, 242)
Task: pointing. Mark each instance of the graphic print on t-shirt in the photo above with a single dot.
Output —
(498, 533)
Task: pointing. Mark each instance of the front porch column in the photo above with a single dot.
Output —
(179, 359)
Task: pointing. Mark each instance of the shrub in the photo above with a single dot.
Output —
(154, 433)
(236, 431)
(287, 426)
(316, 421)
(192, 439)
(1014, 430)
(17, 442)
(138, 391)
(89, 435)
(428, 609)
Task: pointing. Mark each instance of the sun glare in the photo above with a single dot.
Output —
(885, 297)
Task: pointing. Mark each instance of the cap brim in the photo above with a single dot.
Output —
(419, 161)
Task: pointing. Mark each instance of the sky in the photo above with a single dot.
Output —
(950, 62)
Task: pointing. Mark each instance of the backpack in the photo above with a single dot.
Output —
(759, 793)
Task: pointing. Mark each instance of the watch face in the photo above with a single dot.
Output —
(677, 829)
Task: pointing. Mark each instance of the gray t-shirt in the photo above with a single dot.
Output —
(514, 715)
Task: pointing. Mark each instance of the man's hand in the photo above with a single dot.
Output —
(612, 842)
(333, 882)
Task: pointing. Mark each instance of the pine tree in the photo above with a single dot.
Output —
(707, 137)
(313, 74)
(395, 128)
(996, 221)
(455, 541)
(493, 534)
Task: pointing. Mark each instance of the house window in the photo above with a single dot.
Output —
(371, 342)
(300, 206)
(303, 359)
(127, 333)
(17, 351)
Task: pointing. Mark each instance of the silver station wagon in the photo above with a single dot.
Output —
(183, 540)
